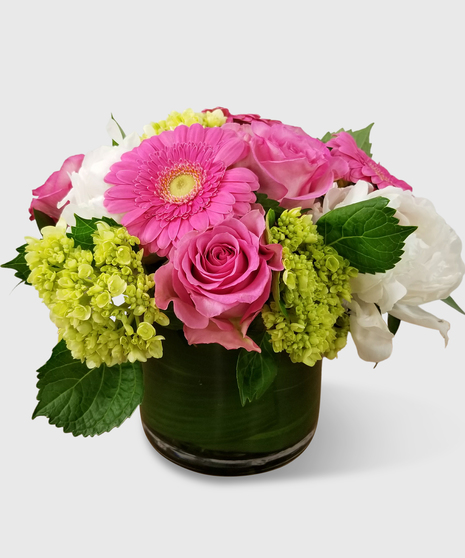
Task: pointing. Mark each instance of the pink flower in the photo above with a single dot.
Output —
(293, 168)
(361, 166)
(180, 181)
(55, 189)
(218, 281)
(242, 118)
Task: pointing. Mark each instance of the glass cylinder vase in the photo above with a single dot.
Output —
(192, 412)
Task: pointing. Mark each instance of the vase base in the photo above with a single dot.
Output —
(226, 465)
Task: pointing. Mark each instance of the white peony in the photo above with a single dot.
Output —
(430, 269)
(87, 194)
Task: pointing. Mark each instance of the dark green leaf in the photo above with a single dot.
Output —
(42, 219)
(268, 203)
(256, 372)
(451, 302)
(366, 233)
(84, 228)
(87, 402)
(361, 137)
(19, 264)
(393, 324)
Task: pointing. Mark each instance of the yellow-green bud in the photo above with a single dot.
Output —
(85, 271)
(103, 299)
(146, 331)
(80, 312)
(116, 285)
(123, 255)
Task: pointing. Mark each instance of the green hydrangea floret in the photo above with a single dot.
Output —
(100, 300)
(208, 119)
(312, 288)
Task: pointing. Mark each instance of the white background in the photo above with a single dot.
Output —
(384, 473)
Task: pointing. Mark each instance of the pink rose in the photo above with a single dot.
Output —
(218, 281)
(55, 189)
(361, 166)
(293, 168)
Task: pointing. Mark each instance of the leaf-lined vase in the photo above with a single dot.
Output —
(192, 412)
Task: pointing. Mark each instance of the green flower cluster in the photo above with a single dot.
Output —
(81, 288)
(209, 119)
(307, 317)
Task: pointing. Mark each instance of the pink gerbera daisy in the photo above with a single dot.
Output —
(180, 181)
(361, 166)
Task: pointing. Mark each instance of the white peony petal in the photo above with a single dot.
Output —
(369, 331)
(418, 316)
(374, 288)
(87, 194)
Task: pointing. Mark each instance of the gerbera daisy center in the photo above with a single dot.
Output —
(182, 185)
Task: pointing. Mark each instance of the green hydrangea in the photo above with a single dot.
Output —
(100, 300)
(209, 119)
(307, 318)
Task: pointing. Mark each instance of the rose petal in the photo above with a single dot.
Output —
(230, 339)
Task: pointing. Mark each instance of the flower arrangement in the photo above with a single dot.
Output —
(237, 230)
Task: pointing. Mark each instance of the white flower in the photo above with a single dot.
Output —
(430, 269)
(87, 194)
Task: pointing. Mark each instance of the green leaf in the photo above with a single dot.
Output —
(19, 264)
(83, 401)
(361, 137)
(276, 293)
(451, 302)
(327, 137)
(366, 233)
(84, 228)
(283, 309)
(268, 203)
(42, 219)
(113, 142)
(270, 220)
(255, 372)
(393, 324)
